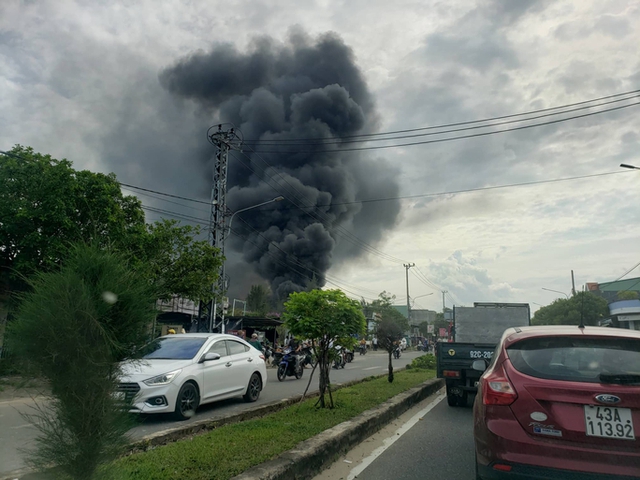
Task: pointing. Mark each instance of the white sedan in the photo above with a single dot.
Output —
(177, 373)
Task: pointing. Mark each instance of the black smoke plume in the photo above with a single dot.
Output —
(274, 93)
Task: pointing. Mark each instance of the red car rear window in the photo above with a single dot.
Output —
(581, 359)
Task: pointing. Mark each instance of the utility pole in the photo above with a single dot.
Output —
(573, 285)
(444, 292)
(223, 140)
(407, 266)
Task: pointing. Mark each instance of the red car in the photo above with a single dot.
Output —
(560, 402)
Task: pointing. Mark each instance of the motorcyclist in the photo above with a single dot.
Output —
(296, 348)
(363, 345)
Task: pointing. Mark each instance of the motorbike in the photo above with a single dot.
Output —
(268, 353)
(348, 355)
(289, 366)
(339, 360)
(363, 349)
(396, 352)
(306, 357)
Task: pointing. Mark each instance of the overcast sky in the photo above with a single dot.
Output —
(131, 87)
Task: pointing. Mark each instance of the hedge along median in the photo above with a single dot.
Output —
(232, 449)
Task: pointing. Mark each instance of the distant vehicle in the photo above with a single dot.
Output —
(560, 402)
(476, 331)
(177, 373)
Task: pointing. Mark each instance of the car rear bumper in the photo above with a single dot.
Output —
(501, 439)
(528, 472)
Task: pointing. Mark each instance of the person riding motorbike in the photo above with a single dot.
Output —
(363, 346)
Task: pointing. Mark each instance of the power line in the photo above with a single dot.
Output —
(460, 137)
(342, 141)
(296, 261)
(158, 197)
(319, 216)
(163, 193)
(628, 271)
(463, 123)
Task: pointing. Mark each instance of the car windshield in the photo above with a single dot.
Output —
(172, 348)
(596, 360)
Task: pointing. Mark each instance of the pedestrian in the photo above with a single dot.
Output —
(255, 342)
(375, 344)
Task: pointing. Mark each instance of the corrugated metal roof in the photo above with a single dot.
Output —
(632, 284)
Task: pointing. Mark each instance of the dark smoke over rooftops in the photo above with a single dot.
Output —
(298, 90)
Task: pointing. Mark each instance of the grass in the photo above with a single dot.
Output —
(231, 449)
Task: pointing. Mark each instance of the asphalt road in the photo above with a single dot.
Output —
(431, 441)
(16, 433)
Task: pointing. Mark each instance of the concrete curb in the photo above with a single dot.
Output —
(311, 456)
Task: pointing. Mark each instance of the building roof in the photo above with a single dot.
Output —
(632, 284)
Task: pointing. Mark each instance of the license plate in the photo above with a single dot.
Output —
(608, 422)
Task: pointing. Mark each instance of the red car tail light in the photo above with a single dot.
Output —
(502, 468)
(497, 389)
(451, 373)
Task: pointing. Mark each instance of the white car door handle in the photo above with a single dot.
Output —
(249, 359)
(228, 364)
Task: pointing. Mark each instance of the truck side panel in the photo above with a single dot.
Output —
(486, 325)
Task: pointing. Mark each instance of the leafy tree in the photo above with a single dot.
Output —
(45, 205)
(628, 295)
(388, 331)
(569, 311)
(74, 327)
(383, 306)
(325, 317)
(423, 328)
(175, 262)
(440, 322)
(258, 300)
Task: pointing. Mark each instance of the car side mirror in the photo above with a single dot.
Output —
(479, 365)
(210, 356)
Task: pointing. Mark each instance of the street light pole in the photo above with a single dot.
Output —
(632, 167)
(419, 296)
(276, 199)
(556, 291)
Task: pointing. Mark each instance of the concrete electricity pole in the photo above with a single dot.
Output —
(223, 140)
(407, 266)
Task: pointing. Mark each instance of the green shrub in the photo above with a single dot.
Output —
(427, 362)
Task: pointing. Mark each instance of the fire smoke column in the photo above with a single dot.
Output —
(298, 101)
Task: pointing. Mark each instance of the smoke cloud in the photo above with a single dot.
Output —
(276, 93)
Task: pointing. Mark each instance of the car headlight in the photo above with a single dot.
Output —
(163, 379)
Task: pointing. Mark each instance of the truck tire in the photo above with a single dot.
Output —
(452, 400)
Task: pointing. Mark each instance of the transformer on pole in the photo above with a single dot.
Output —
(223, 140)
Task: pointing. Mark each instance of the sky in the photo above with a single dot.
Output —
(132, 87)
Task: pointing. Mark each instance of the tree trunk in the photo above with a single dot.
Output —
(4, 311)
(390, 377)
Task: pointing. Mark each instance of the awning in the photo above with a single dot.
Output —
(240, 322)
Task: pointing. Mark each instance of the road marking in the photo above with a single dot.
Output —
(387, 442)
(372, 368)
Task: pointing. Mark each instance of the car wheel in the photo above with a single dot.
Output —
(254, 388)
(282, 372)
(187, 401)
